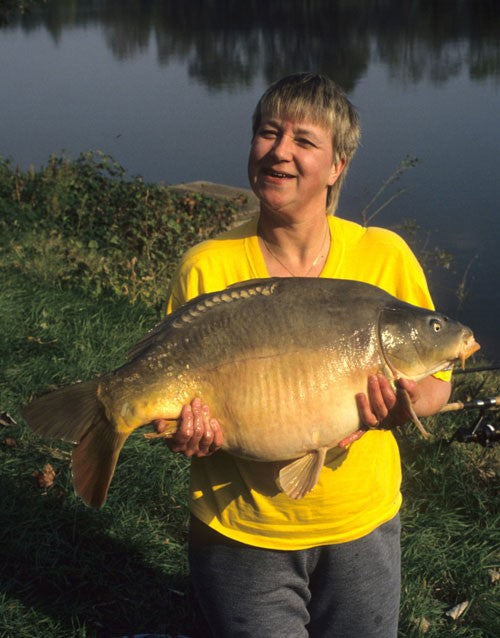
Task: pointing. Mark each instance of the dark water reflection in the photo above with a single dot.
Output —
(167, 88)
(227, 43)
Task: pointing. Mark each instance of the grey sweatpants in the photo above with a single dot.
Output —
(350, 590)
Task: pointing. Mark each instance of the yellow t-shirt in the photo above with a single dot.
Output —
(232, 495)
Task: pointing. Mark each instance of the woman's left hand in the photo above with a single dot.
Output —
(382, 406)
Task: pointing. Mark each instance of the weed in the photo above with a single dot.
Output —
(84, 223)
(366, 214)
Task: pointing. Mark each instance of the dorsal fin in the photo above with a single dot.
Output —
(267, 281)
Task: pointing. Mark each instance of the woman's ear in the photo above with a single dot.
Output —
(336, 170)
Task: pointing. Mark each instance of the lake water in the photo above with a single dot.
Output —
(167, 88)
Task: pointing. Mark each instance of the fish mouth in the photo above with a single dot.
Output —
(469, 347)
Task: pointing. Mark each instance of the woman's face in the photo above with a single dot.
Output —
(291, 164)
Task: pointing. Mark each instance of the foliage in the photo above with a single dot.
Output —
(71, 308)
(83, 222)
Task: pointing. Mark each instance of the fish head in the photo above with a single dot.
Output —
(416, 342)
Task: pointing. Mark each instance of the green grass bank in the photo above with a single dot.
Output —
(86, 254)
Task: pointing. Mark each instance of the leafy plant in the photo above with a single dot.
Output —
(85, 223)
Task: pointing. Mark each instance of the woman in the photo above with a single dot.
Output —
(328, 564)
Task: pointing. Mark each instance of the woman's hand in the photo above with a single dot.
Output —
(385, 408)
(381, 406)
(198, 433)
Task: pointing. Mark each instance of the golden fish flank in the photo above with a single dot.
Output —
(281, 350)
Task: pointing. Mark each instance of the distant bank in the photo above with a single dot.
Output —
(243, 199)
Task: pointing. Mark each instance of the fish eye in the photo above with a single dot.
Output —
(435, 325)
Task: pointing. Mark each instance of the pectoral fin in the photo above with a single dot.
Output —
(297, 478)
(168, 432)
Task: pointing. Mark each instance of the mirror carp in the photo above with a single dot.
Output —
(278, 360)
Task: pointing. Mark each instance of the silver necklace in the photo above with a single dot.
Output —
(316, 259)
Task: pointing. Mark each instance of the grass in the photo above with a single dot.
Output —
(85, 259)
(450, 535)
(66, 570)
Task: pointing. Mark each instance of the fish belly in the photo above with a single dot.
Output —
(280, 407)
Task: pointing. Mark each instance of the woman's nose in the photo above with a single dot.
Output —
(282, 147)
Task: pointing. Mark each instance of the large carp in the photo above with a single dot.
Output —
(278, 360)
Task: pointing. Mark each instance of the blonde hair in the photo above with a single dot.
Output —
(316, 98)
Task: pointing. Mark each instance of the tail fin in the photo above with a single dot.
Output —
(65, 414)
(74, 414)
(94, 460)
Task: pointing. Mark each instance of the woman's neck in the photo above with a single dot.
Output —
(294, 248)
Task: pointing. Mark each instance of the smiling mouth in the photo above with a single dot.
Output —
(278, 174)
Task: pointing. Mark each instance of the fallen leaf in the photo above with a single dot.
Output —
(422, 624)
(10, 441)
(494, 575)
(456, 611)
(56, 453)
(33, 339)
(487, 474)
(6, 419)
(46, 477)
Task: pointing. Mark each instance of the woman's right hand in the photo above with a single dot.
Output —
(198, 433)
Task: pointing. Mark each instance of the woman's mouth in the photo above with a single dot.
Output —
(277, 174)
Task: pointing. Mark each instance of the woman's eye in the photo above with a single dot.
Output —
(303, 141)
(267, 133)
